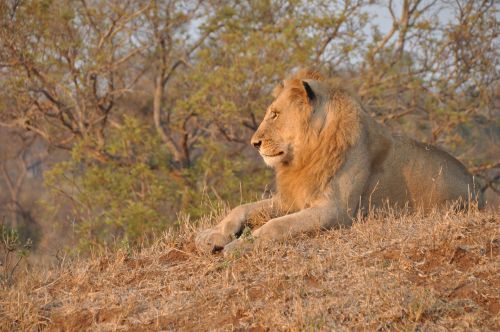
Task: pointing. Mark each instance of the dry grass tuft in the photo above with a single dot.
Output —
(388, 272)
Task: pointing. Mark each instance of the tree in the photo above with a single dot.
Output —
(64, 67)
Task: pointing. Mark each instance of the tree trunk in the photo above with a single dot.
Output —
(164, 133)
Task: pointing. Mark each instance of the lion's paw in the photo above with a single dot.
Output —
(211, 240)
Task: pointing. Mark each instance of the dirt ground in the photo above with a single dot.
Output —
(410, 272)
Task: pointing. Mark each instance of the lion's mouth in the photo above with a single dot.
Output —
(273, 155)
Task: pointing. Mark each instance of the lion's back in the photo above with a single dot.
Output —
(419, 175)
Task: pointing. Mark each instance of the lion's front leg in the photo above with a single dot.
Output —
(214, 239)
(307, 220)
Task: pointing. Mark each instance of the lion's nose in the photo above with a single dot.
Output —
(257, 144)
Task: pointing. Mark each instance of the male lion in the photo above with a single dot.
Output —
(332, 160)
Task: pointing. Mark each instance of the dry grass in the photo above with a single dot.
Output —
(435, 272)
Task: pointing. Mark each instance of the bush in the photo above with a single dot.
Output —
(12, 252)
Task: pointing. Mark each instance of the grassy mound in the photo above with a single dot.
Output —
(388, 272)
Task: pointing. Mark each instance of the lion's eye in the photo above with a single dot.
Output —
(274, 115)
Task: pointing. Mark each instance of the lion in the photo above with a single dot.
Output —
(332, 161)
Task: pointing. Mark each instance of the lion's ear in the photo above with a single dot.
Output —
(277, 89)
(310, 93)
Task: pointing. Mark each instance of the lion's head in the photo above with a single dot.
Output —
(283, 132)
(304, 134)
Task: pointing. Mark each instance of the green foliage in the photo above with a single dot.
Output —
(128, 197)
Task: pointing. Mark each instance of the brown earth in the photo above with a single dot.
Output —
(435, 272)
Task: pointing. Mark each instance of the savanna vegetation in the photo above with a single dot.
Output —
(124, 119)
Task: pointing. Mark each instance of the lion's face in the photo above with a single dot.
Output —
(279, 135)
